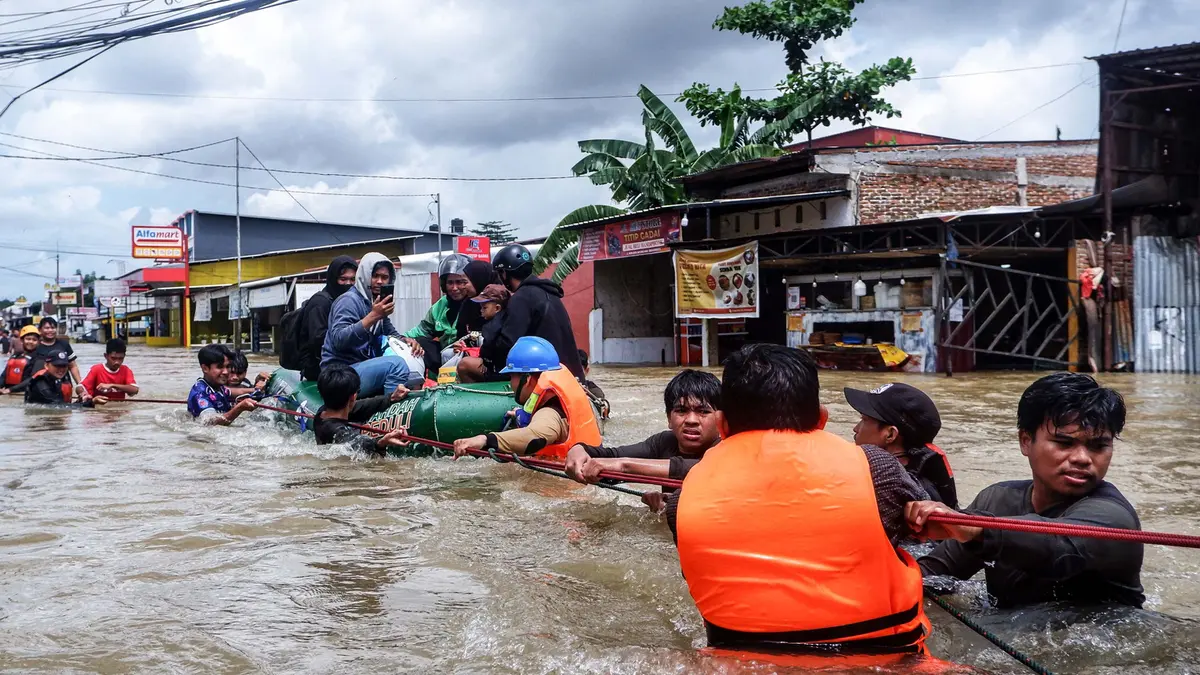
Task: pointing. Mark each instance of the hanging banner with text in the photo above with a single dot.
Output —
(475, 248)
(159, 242)
(642, 236)
(715, 284)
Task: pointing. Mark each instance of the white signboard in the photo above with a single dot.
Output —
(956, 311)
(153, 241)
(203, 307)
(269, 296)
(239, 304)
(306, 291)
(105, 289)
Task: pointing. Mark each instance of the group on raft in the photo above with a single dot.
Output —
(790, 538)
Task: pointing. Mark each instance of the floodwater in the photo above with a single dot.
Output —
(133, 541)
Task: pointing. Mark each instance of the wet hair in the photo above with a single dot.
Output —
(48, 320)
(770, 387)
(114, 346)
(336, 385)
(1063, 399)
(583, 358)
(386, 264)
(213, 355)
(238, 362)
(693, 385)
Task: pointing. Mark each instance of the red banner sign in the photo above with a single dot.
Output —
(640, 236)
(475, 248)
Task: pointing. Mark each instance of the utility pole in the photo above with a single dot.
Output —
(237, 210)
(57, 278)
(437, 198)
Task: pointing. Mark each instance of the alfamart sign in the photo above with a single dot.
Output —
(162, 242)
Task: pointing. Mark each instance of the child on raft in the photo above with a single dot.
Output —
(338, 386)
(556, 412)
(210, 401)
(492, 301)
(111, 379)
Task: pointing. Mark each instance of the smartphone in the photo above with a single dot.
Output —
(387, 290)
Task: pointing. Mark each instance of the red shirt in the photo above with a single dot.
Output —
(100, 374)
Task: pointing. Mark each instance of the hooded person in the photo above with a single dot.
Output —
(314, 316)
(453, 315)
(358, 323)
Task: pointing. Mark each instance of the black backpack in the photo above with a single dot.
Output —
(290, 327)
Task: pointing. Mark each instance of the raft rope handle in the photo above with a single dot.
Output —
(1003, 646)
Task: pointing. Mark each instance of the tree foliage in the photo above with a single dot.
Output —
(647, 174)
(498, 232)
(830, 90)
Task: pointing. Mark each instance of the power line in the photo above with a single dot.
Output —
(22, 247)
(327, 174)
(199, 180)
(1120, 22)
(496, 99)
(1018, 119)
(279, 182)
(26, 273)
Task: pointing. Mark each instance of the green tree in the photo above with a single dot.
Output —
(6, 303)
(647, 175)
(498, 232)
(834, 91)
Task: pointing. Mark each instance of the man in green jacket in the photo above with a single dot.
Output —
(453, 315)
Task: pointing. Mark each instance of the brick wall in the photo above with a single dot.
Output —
(1074, 166)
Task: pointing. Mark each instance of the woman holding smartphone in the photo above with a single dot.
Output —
(357, 321)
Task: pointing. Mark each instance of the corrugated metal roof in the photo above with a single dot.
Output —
(313, 248)
(1174, 59)
(714, 204)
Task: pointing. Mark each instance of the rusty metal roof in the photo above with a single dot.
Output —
(1182, 59)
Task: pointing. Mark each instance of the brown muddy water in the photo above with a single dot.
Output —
(133, 541)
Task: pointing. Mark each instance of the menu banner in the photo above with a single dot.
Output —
(641, 236)
(714, 284)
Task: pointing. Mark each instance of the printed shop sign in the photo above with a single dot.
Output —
(643, 236)
(475, 248)
(715, 284)
(151, 241)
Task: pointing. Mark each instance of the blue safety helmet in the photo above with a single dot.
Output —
(532, 355)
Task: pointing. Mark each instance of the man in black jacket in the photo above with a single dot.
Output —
(314, 319)
(535, 308)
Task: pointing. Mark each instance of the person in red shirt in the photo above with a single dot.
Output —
(112, 379)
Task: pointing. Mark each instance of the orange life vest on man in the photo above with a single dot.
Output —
(15, 369)
(68, 389)
(782, 548)
(945, 460)
(582, 427)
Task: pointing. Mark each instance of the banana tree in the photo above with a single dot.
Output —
(648, 175)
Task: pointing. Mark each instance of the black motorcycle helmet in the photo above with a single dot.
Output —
(513, 262)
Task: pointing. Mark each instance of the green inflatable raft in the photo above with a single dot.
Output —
(445, 413)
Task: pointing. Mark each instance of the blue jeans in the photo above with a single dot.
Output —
(381, 375)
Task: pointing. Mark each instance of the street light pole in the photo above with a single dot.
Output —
(237, 186)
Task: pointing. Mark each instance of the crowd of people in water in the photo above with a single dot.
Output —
(789, 537)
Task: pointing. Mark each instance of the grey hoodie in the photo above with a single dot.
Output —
(346, 341)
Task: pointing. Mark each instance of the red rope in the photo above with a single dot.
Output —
(506, 457)
(988, 522)
(1067, 529)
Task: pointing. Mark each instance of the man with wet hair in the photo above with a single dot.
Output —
(692, 399)
(338, 386)
(787, 533)
(1067, 423)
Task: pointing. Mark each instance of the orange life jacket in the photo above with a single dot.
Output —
(582, 427)
(15, 369)
(68, 389)
(782, 549)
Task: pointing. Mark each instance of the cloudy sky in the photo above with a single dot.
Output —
(260, 77)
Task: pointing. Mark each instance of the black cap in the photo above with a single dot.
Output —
(901, 405)
(59, 359)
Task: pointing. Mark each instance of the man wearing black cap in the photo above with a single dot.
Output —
(52, 386)
(903, 420)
